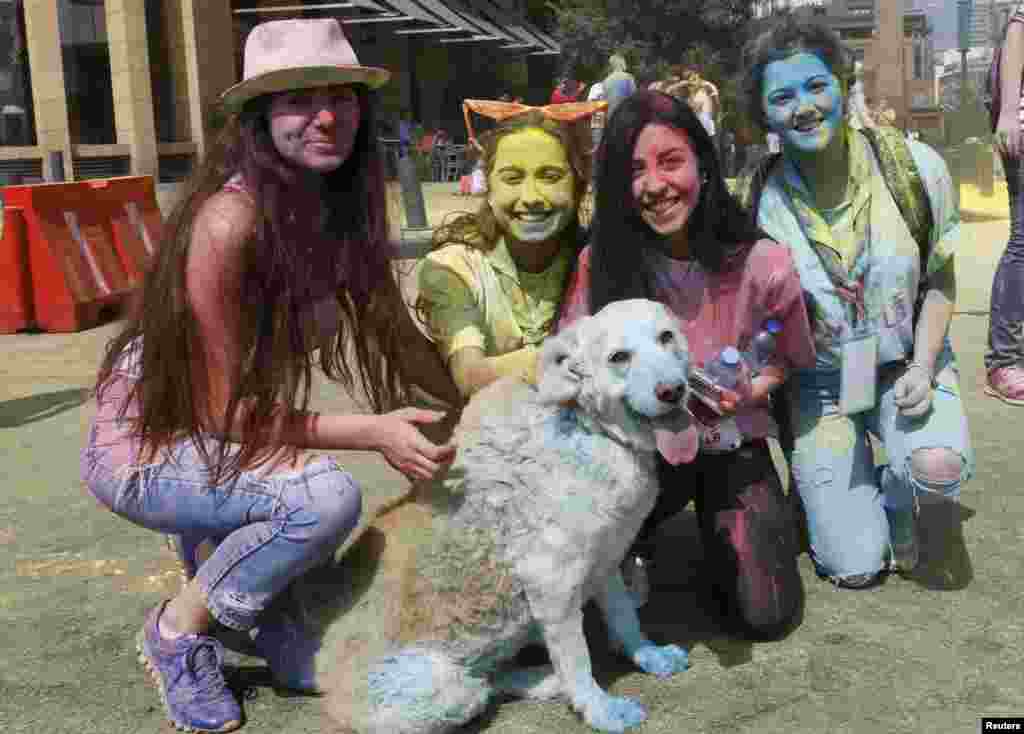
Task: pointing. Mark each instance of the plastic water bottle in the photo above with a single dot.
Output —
(726, 369)
(762, 347)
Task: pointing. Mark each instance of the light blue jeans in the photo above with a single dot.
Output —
(844, 495)
(269, 528)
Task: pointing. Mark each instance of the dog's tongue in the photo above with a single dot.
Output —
(677, 447)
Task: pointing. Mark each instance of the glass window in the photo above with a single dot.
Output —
(86, 56)
(17, 119)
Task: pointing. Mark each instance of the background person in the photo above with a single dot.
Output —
(280, 248)
(682, 239)
(826, 198)
(619, 83)
(1004, 361)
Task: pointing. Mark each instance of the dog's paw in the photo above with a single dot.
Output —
(613, 713)
(662, 661)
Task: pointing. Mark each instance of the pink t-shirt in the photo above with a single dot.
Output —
(725, 309)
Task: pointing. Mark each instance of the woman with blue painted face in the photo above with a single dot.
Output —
(880, 300)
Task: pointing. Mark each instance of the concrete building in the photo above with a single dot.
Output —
(116, 87)
(998, 12)
(891, 43)
(949, 74)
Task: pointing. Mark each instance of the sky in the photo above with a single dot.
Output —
(943, 16)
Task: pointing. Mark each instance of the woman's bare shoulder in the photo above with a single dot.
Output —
(227, 217)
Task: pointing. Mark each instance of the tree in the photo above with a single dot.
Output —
(653, 35)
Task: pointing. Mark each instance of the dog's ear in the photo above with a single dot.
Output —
(559, 367)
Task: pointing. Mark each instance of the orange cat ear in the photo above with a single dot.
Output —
(573, 111)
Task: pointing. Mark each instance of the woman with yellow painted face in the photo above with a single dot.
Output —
(490, 290)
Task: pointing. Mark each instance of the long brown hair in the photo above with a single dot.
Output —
(279, 274)
(481, 229)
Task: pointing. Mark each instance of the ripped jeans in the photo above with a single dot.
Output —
(270, 527)
(843, 493)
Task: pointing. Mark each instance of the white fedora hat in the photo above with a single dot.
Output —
(283, 55)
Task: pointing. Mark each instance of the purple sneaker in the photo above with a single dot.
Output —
(187, 674)
(289, 648)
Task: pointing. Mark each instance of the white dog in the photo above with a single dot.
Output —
(548, 491)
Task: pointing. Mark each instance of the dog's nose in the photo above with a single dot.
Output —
(669, 392)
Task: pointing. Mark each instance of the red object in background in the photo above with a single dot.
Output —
(571, 94)
(15, 282)
(137, 226)
(76, 275)
(426, 142)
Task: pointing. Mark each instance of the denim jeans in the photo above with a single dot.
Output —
(1006, 318)
(843, 494)
(270, 527)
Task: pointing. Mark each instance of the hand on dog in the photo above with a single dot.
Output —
(407, 450)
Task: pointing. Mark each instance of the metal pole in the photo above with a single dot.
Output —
(963, 77)
(417, 233)
(412, 190)
(57, 165)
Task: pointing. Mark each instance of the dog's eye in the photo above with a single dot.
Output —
(620, 357)
(666, 337)
(560, 359)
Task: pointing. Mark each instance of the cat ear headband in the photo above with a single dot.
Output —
(500, 111)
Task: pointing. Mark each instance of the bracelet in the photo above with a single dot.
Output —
(931, 377)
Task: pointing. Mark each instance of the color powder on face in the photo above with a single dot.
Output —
(666, 178)
(802, 102)
(532, 186)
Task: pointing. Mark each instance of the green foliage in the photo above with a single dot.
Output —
(970, 120)
(216, 118)
(659, 35)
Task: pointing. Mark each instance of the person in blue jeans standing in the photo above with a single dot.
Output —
(879, 370)
(279, 249)
(1004, 361)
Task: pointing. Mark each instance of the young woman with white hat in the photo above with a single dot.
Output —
(279, 249)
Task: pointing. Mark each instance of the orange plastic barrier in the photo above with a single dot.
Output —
(15, 282)
(130, 205)
(77, 277)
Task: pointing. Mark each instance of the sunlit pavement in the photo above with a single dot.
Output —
(931, 654)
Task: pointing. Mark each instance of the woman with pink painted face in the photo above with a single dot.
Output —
(683, 240)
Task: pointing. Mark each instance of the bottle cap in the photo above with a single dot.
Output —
(773, 326)
(730, 356)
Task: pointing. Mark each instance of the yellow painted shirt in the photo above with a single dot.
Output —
(473, 298)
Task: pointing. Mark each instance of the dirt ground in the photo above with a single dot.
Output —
(928, 654)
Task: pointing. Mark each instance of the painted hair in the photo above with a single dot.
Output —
(288, 262)
(719, 231)
(481, 230)
(791, 36)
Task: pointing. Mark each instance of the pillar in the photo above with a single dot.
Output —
(42, 38)
(133, 92)
(209, 48)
